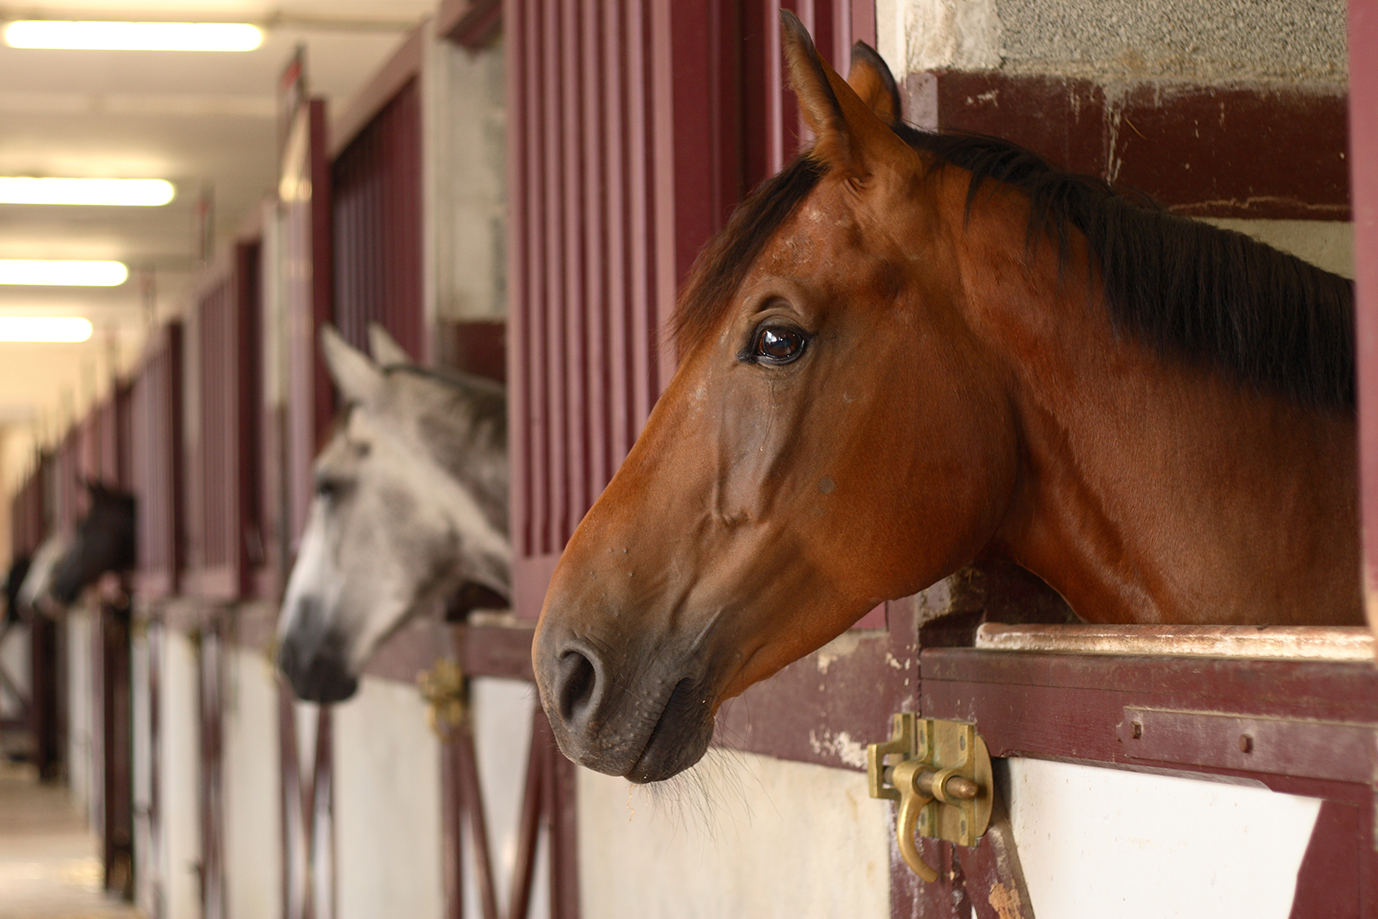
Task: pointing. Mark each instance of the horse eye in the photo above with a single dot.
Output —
(329, 488)
(779, 345)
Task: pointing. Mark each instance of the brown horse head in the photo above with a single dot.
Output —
(744, 528)
(882, 374)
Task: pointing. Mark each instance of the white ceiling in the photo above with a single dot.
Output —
(205, 121)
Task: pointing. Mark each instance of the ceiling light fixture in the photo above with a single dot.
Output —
(133, 36)
(44, 328)
(126, 192)
(62, 272)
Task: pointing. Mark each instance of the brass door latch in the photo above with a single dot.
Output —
(446, 692)
(939, 771)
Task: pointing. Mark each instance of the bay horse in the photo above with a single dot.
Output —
(410, 506)
(907, 350)
(105, 541)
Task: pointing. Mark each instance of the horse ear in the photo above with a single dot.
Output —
(357, 378)
(872, 80)
(850, 136)
(386, 351)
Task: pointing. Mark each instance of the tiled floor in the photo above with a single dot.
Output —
(49, 868)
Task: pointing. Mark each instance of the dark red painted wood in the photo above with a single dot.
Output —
(226, 534)
(1328, 883)
(1209, 151)
(117, 830)
(1363, 155)
(471, 23)
(1076, 707)
(376, 200)
(158, 467)
(994, 877)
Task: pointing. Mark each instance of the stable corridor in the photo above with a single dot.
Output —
(49, 867)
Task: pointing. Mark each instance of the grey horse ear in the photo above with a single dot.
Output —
(356, 377)
(386, 351)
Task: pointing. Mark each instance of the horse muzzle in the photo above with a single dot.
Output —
(640, 717)
(315, 659)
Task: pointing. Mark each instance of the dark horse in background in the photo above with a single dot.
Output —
(14, 579)
(105, 542)
(910, 350)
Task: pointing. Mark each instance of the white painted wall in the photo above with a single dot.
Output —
(180, 773)
(77, 662)
(739, 835)
(502, 711)
(387, 805)
(253, 819)
(465, 177)
(14, 657)
(1101, 842)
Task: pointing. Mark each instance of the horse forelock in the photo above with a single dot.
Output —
(1186, 288)
(723, 262)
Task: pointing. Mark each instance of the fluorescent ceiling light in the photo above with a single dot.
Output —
(132, 192)
(134, 36)
(62, 273)
(44, 328)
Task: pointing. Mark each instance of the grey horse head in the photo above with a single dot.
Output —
(410, 507)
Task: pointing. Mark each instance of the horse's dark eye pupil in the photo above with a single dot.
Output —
(779, 344)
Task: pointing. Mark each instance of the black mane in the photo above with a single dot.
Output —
(1189, 289)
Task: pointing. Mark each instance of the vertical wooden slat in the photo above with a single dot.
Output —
(1363, 154)
(557, 297)
(595, 358)
(539, 256)
(377, 204)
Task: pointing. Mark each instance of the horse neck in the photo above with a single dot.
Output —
(1152, 490)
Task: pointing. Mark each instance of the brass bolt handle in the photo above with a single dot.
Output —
(940, 773)
(913, 799)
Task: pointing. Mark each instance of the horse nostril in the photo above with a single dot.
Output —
(577, 681)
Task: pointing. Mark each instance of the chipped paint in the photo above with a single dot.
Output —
(844, 645)
(841, 745)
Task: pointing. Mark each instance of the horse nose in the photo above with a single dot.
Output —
(316, 666)
(576, 687)
(571, 676)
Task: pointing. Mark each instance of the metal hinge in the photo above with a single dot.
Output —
(939, 771)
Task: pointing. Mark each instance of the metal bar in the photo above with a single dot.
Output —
(1334, 643)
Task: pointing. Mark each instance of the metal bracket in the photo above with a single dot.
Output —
(940, 773)
(446, 690)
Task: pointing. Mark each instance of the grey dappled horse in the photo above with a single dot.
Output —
(410, 507)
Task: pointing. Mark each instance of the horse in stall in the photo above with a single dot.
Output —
(36, 590)
(105, 541)
(410, 507)
(909, 350)
(14, 579)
